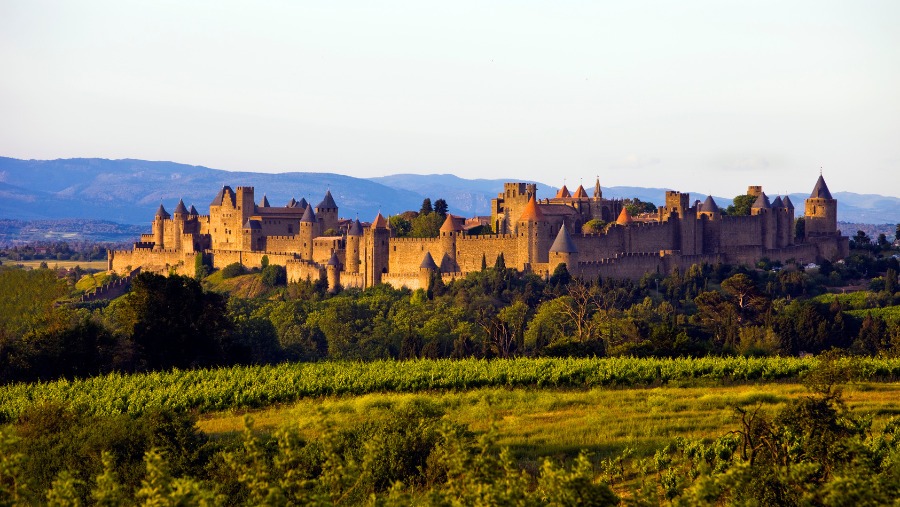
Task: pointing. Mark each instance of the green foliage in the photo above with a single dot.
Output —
(173, 322)
(740, 205)
(426, 207)
(232, 270)
(636, 206)
(426, 226)
(593, 226)
(26, 308)
(202, 268)
(400, 226)
(256, 386)
(273, 275)
(441, 208)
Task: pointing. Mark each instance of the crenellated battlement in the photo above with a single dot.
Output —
(675, 235)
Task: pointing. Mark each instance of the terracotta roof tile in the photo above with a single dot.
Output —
(532, 212)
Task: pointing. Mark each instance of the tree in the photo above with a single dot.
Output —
(593, 226)
(173, 322)
(426, 226)
(440, 207)
(636, 206)
(740, 205)
(743, 290)
(426, 207)
(200, 267)
(500, 263)
(400, 225)
(861, 241)
(273, 275)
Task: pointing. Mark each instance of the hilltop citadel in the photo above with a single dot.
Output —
(532, 234)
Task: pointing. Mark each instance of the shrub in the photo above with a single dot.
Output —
(233, 270)
(273, 275)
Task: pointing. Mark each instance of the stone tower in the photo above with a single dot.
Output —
(563, 251)
(159, 228)
(763, 208)
(821, 211)
(426, 270)
(327, 213)
(450, 231)
(178, 218)
(308, 232)
(531, 236)
(377, 237)
(333, 273)
(354, 235)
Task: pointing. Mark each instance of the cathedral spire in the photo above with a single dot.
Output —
(598, 193)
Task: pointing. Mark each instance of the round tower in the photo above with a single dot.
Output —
(563, 251)
(354, 235)
(530, 239)
(327, 213)
(159, 228)
(307, 233)
(450, 230)
(763, 209)
(427, 269)
(377, 239)
(178, 217)
(821, 211)
(333, 273)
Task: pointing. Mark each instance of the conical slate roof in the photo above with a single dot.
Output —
(220, 197)
(820, 191)
(563, 242)
(180, 208)
(777, 203)
(264, 203)
(327, 202)
(302, 203)
(193, 210)
(580, 192)
(532, 212)
(709, 205)
(379, 222)
(762, 202)
(292, 203)
(308, 216)
(355, 229)
(624, 217)
(428, 262)
(333, 261)
(162, 213)
(563, 192)
(786, 202)
(252, 224)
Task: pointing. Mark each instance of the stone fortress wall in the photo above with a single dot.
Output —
(530, 233)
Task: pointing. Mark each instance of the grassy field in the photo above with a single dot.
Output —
(87, 265)
(560, 422)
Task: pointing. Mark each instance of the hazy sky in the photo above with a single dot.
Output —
(706, 96)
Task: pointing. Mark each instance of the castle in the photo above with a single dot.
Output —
(531, 234)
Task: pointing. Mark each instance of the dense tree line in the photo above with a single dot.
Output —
(173, 321)
(58, 251)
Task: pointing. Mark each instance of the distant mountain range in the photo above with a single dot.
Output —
(129, 191)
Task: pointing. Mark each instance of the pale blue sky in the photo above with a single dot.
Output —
(706, 96)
